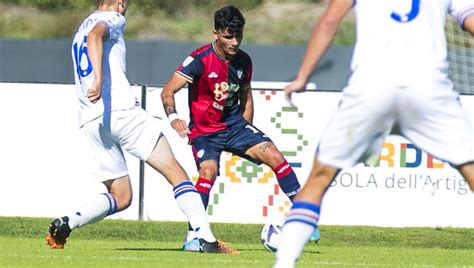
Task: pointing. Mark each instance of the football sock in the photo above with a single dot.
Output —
(299, 226)
(203, 186)
(287, 179)
(94, 211)
(191, 205)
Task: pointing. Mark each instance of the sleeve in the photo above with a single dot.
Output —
(190, 68)
(461, 10)
(115, 24)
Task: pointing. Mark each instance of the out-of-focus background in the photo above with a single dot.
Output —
(161, 33)
(268, 21)
(39, 130)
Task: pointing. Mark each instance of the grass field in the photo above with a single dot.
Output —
(114, 243)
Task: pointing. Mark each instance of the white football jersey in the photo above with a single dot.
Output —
(116, 90)
(402, 42)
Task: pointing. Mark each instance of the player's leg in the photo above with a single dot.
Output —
(117, 199)
(208, 170)
(206, 155)
(207, 151)
(435, 121)
(140, 135)
(251, 143)
(357, 130)
(267, 153)
(263, 150)
(303, 218)
(467, 171)
(110, 164)
(189, 201)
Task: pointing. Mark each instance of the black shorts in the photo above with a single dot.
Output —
(236, 140)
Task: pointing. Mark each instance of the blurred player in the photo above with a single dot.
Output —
(399, 77)
(112, 120)
(221, 109)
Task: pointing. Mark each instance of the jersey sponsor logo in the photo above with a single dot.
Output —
(213, 75)
(222, 90)
(218, 106)
(187, 61)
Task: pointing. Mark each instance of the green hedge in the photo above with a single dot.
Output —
(148, 6)
(53, 5)
(169, 6)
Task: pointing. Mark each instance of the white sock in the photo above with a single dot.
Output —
(191, 235)
(299, 226)
(93, 211)
(189, 201)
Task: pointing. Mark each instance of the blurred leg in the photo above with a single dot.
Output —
(304, 215)
(467, 170)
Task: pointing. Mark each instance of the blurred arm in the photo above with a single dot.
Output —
(469, 24)
(322, 36)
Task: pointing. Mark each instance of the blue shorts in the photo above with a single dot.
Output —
(236, 140)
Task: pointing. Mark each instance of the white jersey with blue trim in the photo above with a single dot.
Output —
(402, 42)
(116, 91)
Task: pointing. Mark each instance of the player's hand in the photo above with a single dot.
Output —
(295, 86)
(180, 127)
(95, 91)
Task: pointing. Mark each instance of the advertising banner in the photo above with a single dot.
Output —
(47, 172)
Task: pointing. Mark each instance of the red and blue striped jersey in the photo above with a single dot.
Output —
(214, 85)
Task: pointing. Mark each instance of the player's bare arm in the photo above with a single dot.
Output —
(175, 84)
(246, 103)
(95, 47)
(469, 25)
(321, 38)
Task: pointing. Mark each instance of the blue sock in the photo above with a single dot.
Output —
(287, 179)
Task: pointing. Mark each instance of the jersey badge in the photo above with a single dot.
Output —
(239, 73)
(200, 154)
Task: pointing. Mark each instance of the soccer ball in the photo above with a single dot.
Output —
(270, 234)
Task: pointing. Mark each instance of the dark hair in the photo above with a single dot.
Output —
(229, 17)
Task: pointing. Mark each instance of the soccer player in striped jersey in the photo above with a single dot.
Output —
(399, 77)
(112, 120)
(221, 109)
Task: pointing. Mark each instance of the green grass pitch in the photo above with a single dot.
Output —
(118, 243)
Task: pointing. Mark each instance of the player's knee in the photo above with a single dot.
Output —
(123, 199)
(208, 172)
(276, 158)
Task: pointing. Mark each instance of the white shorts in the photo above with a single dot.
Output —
(432, 119)
(134, 130)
